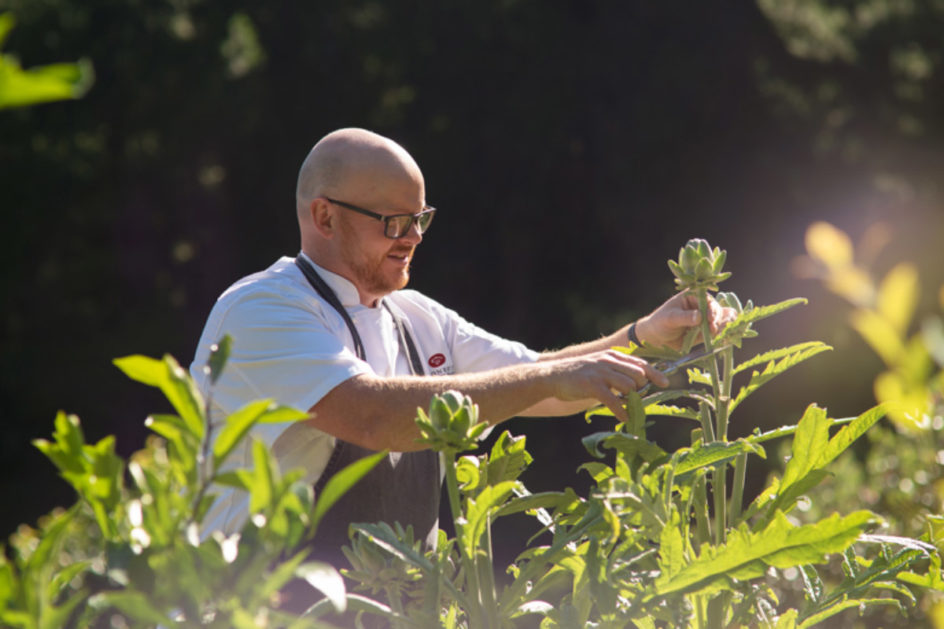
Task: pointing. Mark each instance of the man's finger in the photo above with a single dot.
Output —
(614, 403)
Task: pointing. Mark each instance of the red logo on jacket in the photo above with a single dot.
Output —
(436, 360)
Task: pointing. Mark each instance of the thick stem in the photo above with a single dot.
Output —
(718, 476)
(468, 561)
(485, 567)
(707, 428)
(702, 294)
(702, 523)
(737, 493)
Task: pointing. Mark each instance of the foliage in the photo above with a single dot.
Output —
(899, 474)
(137, 554)
(19, 87)
(644, 548)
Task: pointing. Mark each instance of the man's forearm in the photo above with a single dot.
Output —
(378, 413)
(616, 339)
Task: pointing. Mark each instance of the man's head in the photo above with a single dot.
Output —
(360, 169)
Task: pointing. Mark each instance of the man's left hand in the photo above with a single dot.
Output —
(668, 324)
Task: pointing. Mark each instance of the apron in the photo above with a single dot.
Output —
(404, 487)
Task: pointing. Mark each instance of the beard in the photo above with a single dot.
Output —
(368, 270)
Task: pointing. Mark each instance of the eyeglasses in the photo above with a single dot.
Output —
(395, 225)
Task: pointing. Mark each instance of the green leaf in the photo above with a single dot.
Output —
(850, 432)
(58, 81)
(776, 354)
(880, 334)
(135, 605)
(698, 376)
(508, 459)
(760, 312)
(338, 484)
(671, 546)
(775, 368)
(629, 445)
(239, 423)
(898, 296)
(478, 509)
(262, 478)
(840, 606)
(671, 411)
(174, 382)
(219, 355)
(710, 454)
(529, 502)
(781, 545)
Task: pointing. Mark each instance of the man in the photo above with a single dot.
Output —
(333, 332)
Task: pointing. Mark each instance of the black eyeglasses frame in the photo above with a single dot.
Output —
(389, 232)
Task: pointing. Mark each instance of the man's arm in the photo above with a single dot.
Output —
(378, 413)
(667, 325)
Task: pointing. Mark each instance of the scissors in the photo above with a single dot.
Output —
(670, 367)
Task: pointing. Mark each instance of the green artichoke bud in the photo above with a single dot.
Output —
(688, 258)
(730, 300)
(699, 266)
(452, 424)
(738, 330)
(376, 569)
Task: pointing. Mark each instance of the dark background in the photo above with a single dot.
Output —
(572, 148)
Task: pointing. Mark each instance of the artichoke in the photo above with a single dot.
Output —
(699, 266)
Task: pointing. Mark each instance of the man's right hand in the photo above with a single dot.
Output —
(602, 376)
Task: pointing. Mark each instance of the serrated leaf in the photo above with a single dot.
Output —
(710, 454)
(774, 369)
(671, 411)
(541, 500)
(850, 432)
(749, 316)
(629, 445)
(841, 606)
(508, 458)
(780, 545)
(775, 354)
(698, 376)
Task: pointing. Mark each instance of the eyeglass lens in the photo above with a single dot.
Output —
(399, 225)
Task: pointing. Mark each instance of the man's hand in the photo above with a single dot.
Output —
(669, 322)
(601, 376)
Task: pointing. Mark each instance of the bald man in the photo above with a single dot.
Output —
(335, 332)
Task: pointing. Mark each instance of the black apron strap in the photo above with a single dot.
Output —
(321, 287)
(406, 341)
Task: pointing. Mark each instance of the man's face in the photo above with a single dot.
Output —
(376, 264)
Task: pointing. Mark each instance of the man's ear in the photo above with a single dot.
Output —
(323, 217)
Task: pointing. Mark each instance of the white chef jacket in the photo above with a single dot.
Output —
(289, 344)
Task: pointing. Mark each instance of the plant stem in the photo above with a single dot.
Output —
(718, 476)
(737, 493)
(468, 562)
(702, 523)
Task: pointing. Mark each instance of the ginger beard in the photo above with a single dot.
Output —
(379, 273)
